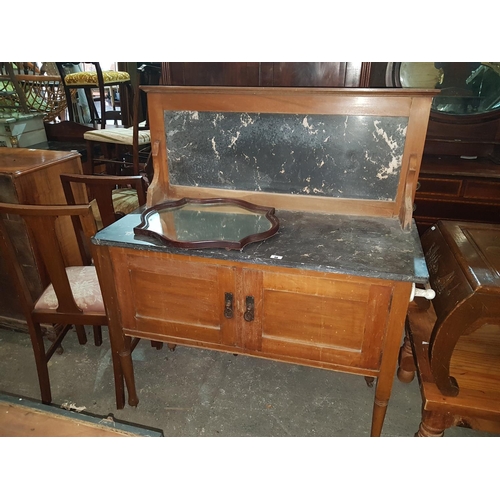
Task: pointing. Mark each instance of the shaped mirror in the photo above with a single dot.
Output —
(208, 223)
(467, 88)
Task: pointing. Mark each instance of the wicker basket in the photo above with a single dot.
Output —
(44, 94)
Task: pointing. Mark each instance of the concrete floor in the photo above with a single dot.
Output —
(197, 392)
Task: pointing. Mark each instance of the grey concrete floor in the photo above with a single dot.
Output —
(196, 392)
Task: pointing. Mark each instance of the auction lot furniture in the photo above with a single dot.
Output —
(456, 343)
(331, 288)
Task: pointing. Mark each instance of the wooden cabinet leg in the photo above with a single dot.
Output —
(406, 365)
(128, 375)
(119, 382)
(379, 411)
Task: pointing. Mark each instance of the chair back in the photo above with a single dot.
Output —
(41, 222)
(100, 188)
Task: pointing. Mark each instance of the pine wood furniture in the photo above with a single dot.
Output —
(456, 343)
(331, 288)
(474, 365)
(31, 177)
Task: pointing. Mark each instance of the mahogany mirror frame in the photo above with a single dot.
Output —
(268, 212)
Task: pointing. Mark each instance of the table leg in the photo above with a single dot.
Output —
(434, 424)
(406, 368)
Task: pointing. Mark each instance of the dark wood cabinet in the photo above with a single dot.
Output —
(460, 170)
(267, 74)
(454, 188)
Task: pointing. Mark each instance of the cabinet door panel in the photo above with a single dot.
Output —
(322, 319)
(174, 298)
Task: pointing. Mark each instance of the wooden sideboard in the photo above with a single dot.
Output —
(455, 188)
(31, 177)
(332, 287)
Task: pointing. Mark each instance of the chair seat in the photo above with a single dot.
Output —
(89, 78)
(86, 291)
(118, 136)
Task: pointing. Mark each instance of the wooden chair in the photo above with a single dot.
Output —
(73, 296)
(101, 189)
(122, 149)
(104, 189)
(98, 79)
(454, 345)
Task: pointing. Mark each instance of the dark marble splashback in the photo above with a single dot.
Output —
(324, 155)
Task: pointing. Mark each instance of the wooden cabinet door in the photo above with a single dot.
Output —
(173, 298)
(330, 320)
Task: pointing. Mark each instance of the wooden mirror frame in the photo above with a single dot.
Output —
(269, 212)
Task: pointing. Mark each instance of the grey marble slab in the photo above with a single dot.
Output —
(319, 155)
(341, 244)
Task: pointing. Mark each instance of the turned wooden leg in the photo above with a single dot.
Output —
(434, 424)
(172, 347)
(379, 411)
(406, 368)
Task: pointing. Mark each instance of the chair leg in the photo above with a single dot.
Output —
(82, 336)
(94, 115)
(88, 167)
(41, 362)
(97, 335)
(157, 344)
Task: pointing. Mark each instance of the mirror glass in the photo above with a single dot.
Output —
(466, 87)
(204, 223)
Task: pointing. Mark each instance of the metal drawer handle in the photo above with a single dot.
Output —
(228, 305)
(249, 312)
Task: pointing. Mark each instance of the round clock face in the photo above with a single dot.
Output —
(466, 87)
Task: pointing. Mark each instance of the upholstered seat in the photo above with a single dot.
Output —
(90, 78)
(85, 287)
(98, 79)
(119, 136)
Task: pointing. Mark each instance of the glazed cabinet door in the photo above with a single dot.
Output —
(334, 321)
(171, 298)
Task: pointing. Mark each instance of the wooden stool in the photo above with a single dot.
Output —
(456, 342)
